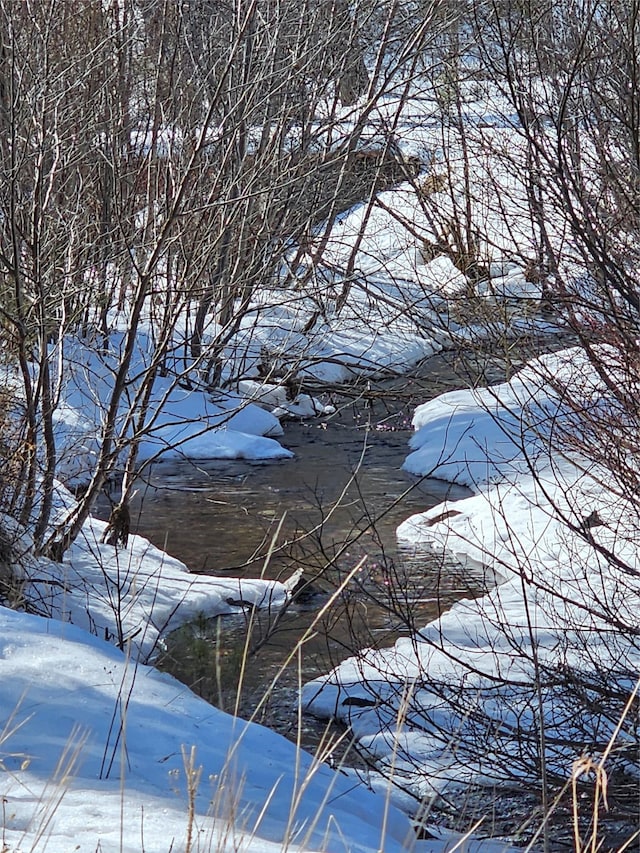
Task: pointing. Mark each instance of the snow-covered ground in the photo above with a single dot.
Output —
(100, 753)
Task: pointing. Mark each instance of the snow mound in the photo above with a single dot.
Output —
(459, 701)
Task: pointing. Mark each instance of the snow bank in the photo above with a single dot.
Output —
(181, 421)
(459, 702)
(96, 750)
(93, 757)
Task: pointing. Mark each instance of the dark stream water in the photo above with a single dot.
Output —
(333, 507)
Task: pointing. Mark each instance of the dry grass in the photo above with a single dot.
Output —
(10, 587)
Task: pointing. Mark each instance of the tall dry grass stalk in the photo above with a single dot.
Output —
(587, 766)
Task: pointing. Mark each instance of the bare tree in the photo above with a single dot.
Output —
(159, 162)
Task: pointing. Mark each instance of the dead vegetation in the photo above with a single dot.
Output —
(10, 585)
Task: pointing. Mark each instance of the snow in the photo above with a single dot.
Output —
(135, 595)
(281, 403)
(94, 756)
(96, 747)
(101, 752)
(449, 704)
(182, 421)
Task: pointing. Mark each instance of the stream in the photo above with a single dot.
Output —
(333, 508)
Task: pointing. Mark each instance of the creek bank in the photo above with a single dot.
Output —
(553, 647)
